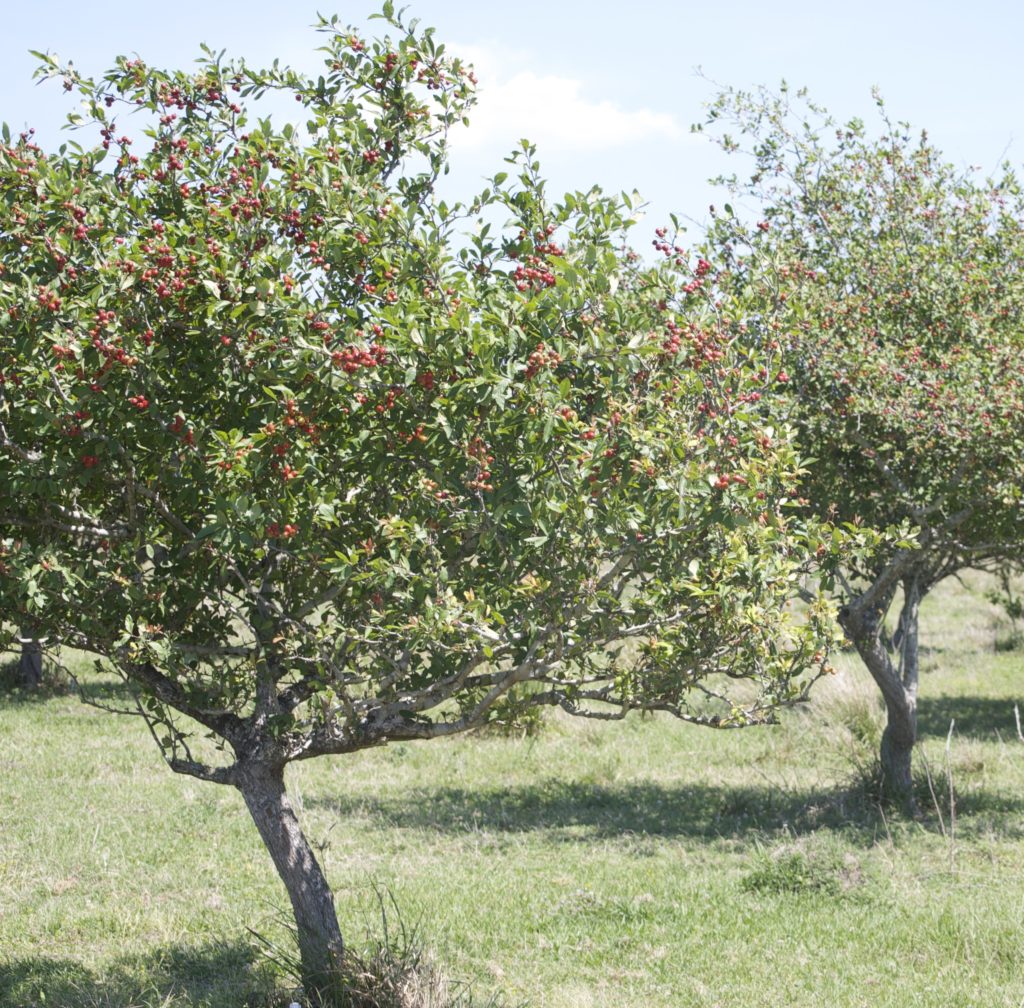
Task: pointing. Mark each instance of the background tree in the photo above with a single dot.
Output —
(314, 465)
(30, 662)
(903, 351)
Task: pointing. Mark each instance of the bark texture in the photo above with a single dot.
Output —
(319, 937)
(897, 680)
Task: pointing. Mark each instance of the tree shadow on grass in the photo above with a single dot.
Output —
(219, 976)
(582, 811)
(106, 690)
(13, 691)
(974, 717)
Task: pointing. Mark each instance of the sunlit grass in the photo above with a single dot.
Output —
(644, 863)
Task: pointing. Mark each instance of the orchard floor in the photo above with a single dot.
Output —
(595, 866)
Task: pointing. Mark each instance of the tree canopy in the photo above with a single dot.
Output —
(903, 351)
(316, 462)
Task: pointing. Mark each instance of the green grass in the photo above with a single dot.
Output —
(595, 866)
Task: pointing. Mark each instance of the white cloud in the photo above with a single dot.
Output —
(551, 111)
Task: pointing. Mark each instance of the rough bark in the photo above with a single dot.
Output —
(897, 682)
(30, 665)
(900, 735)
(319, 937)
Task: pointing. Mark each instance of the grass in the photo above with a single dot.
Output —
(592, 866)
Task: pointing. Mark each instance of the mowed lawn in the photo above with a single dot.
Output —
(636, 864)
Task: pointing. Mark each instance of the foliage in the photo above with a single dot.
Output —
(394, 969)
(294, 459)
(317, 462)
(903, 344)
(1007, 596)
(792, 870)
(902, 352)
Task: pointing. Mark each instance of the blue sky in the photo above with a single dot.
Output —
(606, 90)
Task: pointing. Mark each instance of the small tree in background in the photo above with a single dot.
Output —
(904, 353)
(30, 662)
(314, 469)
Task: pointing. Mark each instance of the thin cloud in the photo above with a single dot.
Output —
(552, 111)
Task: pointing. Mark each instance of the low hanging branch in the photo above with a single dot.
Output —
(353, 466)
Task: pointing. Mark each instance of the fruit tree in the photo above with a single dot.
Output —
(317, 462)
(904, 355)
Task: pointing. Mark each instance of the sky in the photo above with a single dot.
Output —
(606, 90)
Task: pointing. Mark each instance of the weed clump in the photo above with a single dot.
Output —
(393, 969)
(793, 869)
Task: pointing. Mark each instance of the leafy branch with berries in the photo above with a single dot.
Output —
(316, 462)
(900, 298)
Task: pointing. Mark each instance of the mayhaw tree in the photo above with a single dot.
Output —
(904, 350)
(316, 465)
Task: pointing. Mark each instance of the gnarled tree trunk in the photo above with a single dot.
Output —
(320, 943)
(900, 733)
(897, 682)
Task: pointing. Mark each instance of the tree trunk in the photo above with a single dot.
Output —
(898, 683)
(30, 665)
(895, 752)
(319, 937)
(900, 733)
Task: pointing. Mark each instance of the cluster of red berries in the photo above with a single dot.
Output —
(352, 358)
(535, 272)
(674, 338)
(529, 276)
(293, 418)
(440, 495)
(48, 300)
(74, 429)
(113, 353)
(666, 248)
(430, 75)
(390, 398)
(177, 425)
(172, 97)
(701, 270)
(707, 347)
(274, 530)
(478, 450)
(417, 435)
(541, 358)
